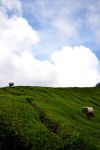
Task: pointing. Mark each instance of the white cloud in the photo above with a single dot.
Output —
(17, 61)
(31, 71)
(11, 5)
(77, 66)
(93, 23)
(67, 27)
(57, 15)
(93, 19)
(16, 34)
(74, 21)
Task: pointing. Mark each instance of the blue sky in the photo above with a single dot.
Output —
(42, 30)
(45, 16)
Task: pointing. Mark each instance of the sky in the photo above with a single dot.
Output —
(50, 42)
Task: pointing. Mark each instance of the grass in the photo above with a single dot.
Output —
(41, 118)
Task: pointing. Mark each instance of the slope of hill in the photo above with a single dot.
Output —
(41, 118)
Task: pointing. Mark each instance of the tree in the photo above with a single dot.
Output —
(11, 84)
(98, 85)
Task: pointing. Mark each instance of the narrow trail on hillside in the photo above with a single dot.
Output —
(50, 124)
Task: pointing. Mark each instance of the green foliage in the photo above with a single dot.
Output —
(41, 118)
(98, 85)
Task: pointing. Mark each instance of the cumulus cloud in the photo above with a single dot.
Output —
(70, 66)
(17, 34)
(31, 71)
(17, 60)
(77, 66)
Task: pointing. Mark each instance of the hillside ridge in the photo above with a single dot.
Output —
(36, 118)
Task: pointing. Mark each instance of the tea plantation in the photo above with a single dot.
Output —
(43, 118)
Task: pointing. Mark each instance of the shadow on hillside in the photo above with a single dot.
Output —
(10, 140)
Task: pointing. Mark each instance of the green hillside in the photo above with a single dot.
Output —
(41, 118)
